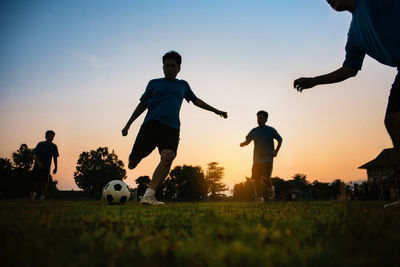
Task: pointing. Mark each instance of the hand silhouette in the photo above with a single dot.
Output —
(125, 131)
(222, 114)
(303, 83)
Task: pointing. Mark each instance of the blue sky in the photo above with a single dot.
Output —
(79, 67)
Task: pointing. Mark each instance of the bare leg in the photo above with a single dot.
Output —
(44, 190)
(162, 170)
(268, 181)
(260, 187)
(392, 123)
(33, 192)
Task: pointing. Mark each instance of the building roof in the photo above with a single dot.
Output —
(388, 157)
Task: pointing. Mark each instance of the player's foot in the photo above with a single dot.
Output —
(395, 204)
(260, 200)
(152, 201)
(33, 196)
(42, 197)
(271, 194)
(131, 165)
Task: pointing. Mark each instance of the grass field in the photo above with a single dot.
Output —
(87, 233)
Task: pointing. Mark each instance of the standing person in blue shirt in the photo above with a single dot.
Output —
(263, 157)
(163, 99)
(43, 153)
(375, 31)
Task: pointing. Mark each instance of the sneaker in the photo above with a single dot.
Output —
(260, 200)
(42, 197)
(271, 193)
(152, 201)
(33, 196)
(395, 204)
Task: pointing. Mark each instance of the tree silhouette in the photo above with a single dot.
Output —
(300, 182)
(244, 191)
(96, 168)
(168, 189)
(320, 191)
(282, 188)
(334, 188)
(20, 183)
(186, 183)
(5, 166)
(214, 180)
(23, 157)
(299, 186)
(6, 175)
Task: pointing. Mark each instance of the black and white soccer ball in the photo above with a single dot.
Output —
(116, 192)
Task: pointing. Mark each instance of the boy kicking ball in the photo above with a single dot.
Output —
(162, 98)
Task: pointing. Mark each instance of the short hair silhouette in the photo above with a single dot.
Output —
(173, 55)
(264, 113)
(50, 132)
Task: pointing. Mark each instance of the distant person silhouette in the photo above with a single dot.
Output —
(43, 153)
(375, 31)
(163, 99)
(263, 156)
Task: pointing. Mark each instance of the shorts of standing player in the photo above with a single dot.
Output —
(40, 175)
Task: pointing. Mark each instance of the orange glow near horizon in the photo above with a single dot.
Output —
(80, 69)
(325, 153)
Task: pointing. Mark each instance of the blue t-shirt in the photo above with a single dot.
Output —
(263, 138)
(45, 153)
(163, 99)
(375, 31)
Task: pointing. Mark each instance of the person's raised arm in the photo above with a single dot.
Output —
(201, 104)
(136, 113)
(336, 76)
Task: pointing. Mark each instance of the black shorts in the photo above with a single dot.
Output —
(261, 169)
(40, 175)
(394, 97)
(154, 134)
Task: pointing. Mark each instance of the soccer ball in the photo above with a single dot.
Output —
(116, 192)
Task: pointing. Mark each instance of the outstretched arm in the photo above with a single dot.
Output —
(336, 76)
(138, 111)
(201, 104)
(245, 143)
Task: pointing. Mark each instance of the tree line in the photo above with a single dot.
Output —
(299, 188)
(189, 183)
(96, 168)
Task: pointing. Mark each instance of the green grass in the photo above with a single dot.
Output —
(87, 233)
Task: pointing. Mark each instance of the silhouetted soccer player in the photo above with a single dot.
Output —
(375, 31)
(163, 99)
(42, 154)
(263, 157)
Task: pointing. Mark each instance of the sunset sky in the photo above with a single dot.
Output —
(80, 67)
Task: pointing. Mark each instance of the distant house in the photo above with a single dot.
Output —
(382, 172)
(392, 185)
